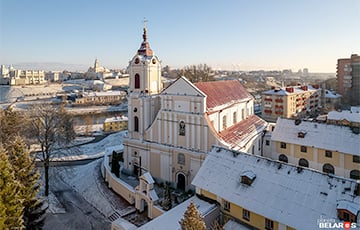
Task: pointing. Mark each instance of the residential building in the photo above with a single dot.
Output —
(115, 124)
(268, 194)
(290, 102)
(171, 130)
(345, 117)
(99, 98)
(348, 79)
(328, 148)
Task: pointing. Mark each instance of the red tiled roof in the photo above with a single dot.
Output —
(239, 134)
(223, 92)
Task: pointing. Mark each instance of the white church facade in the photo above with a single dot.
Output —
(171, 130)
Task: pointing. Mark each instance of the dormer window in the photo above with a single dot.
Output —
(301, 134)
(347, 211)
(247, 177)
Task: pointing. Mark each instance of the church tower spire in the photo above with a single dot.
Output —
(145, 46)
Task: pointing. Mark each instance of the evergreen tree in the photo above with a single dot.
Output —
(28, 177)
(167, 205)
(10, 124)
(192, 219)
(11, 206)
(115, 166)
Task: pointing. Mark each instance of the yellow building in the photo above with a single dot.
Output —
(289, 102)
(267, 194)
(115, 124)
(325, 147)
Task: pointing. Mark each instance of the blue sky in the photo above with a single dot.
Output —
(228, 34)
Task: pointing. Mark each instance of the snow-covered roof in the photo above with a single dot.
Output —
(148, 178)
(153, 195)
(281, 192)
(329, 94)
(171, 218)
(233, 225)
(345, 114)
(318, 135)
(297, 89)
(115, 119)
(101, 94)
(238, 135)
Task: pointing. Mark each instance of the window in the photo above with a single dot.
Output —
(328, 168)
(267, 142)
(355, 174)
(226, 205)
(269, 224)
(224, 122)
(283, 158)
(328, 153)
(356, 159)
(137, 81)
(136, 124)
(303, 162)
(303, 149)
(243, 114)
(234, 117)
(181, 159)
(282, 145)
(182, 128)
(246, 214)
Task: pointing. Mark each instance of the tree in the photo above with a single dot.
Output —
(27, 175)
(198, 73)
(216, 226)
(10, 124)
(167, 205)
(52, 127)
(11, 206)
(192, 219)
(115, 166)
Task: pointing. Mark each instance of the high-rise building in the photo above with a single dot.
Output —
(348, 79)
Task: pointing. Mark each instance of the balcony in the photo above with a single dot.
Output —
(267, 99)
(279, 100)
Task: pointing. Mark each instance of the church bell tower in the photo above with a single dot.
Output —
(144, 86)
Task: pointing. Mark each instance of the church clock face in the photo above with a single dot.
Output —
(154, 61)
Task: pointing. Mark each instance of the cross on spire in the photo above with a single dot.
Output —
(145, 21)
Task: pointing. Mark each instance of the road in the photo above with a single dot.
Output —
(79, 213)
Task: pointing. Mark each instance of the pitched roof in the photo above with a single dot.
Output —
(223, 93)
(281, 192)
(238, 135)
(318, 135)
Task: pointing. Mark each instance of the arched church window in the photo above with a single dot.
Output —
(181, 159)
(154, 61)
(136, 124)
(182, 128)
(137, 81)
(137, 61)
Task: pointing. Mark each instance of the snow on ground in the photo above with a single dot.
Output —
(92, 150)
(84, 180)
(55, 206)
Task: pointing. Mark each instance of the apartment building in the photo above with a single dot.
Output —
(114, 124)
(333, 149)
(290, 102)
(348, 79)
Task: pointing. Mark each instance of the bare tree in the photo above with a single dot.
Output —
(52, 128)
(198, 73)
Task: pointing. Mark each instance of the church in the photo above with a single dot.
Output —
(171, 130)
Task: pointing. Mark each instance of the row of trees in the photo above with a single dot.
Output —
(194, 73)
(48, 126)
